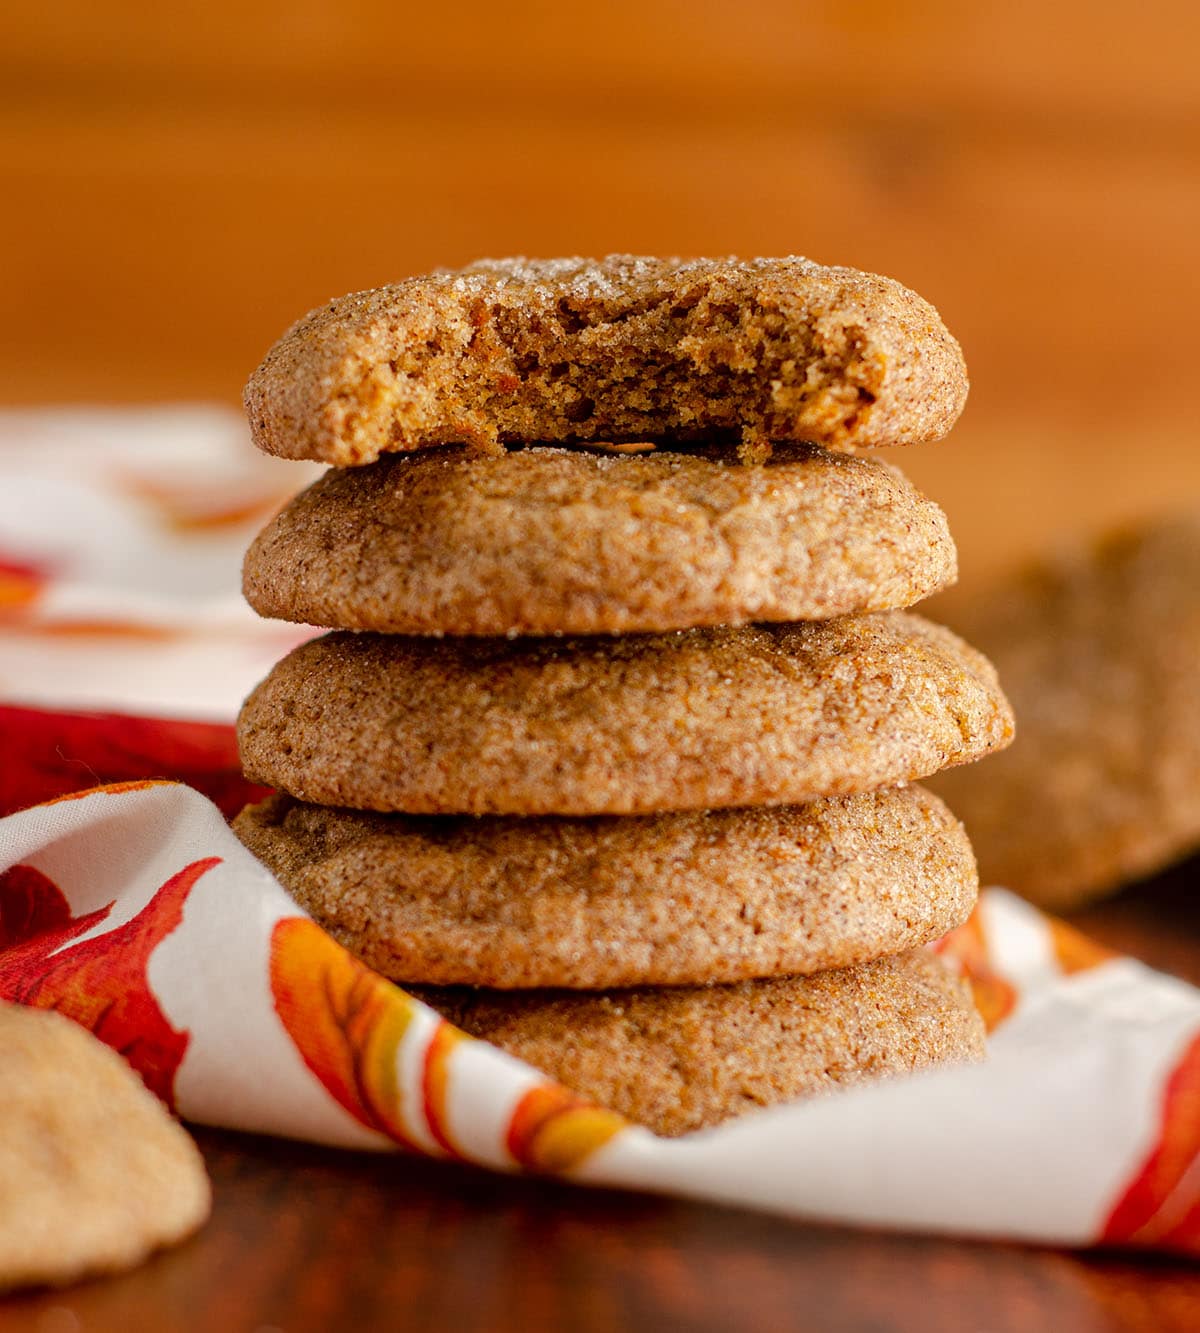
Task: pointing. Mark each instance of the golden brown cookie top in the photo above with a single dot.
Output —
(624, 348)
(677, 1059)
(705, 718)
(560, 541)
(1099, 649)
(94, 1173)
(701, 896)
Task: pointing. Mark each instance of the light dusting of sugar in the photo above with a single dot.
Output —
(607, 278)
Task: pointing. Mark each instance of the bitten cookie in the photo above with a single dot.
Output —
(555, 541)
(1100, 651)
(622, 348)
(706, 718)
(661, 900)
(684, 1058)
(94, 1173)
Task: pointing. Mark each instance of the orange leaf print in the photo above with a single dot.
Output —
(553, 1130)
(111, 789)
(1075, 951)
(186, 507)
(1161, 1204)
(346, 1021)
(21, 584)
(101, 983)
(437, 1084)
(966, 947)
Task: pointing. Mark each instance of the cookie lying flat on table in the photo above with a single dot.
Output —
(706, 718)
(1100, 651)
(94, 1173)
(684, 1058)
(626, 347)
(549, 541)
(660, 900)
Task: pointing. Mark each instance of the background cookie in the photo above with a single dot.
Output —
(622, 348)
(1100, 652)
(545, 541)
(756, 715)
(683, 1058)
(660, 900)
(94, 1172)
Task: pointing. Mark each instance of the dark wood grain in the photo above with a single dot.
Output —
(306, 1240)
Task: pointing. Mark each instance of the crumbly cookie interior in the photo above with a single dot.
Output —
(677, 365)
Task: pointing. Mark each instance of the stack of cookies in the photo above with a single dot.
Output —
(608, 754)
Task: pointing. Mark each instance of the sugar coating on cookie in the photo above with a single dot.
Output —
(692, 897)
(94, 1172)
(1099, 648)
(705, 718)
(622, 348)
(677, 1059)
(560, 541)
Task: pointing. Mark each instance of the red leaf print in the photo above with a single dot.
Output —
(49, 754)
(32, 904)
(101, 983)
(1161, 1204)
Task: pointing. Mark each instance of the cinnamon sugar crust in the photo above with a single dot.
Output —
(705, 718)
(686, 1058)
(561, 541)
(665, 900)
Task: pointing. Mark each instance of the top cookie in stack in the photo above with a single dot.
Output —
(641, 575)
(630, 348)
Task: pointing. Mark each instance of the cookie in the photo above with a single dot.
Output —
(555, 541)
(94, 1172)
(624, 348)
(678, 1059)
(1100, 651)
(705, 718)
(661, 900)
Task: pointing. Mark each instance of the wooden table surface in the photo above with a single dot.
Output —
(306, 1240)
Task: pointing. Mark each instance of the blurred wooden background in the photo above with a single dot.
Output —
(182, 181)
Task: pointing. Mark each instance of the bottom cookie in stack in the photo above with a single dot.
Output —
(679, 968)
(682, 1058)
